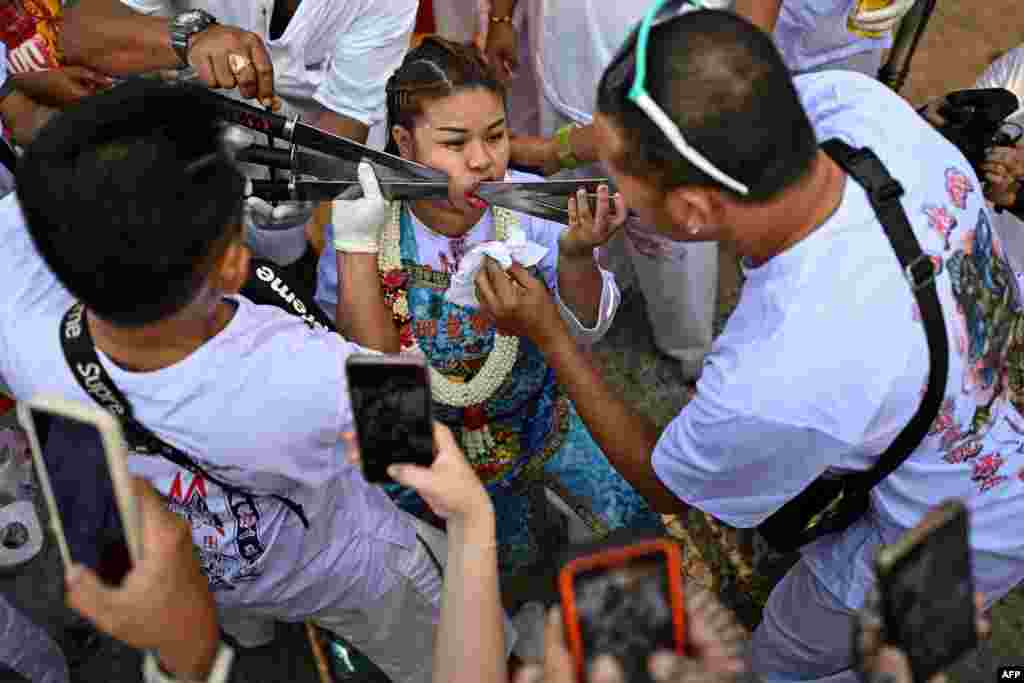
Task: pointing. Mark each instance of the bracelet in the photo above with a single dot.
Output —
(566, 159)
(507, 19)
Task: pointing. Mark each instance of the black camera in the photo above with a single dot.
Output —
(974, 121)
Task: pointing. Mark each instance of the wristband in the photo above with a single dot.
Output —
(507, 19)
(153, 673)
(566, 159)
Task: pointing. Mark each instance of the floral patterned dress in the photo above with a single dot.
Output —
(539, 440)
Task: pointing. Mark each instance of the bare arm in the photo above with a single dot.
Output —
(470, 637)
(107, 35)
(23, 116)
(626, 437)
(543, 153)
(522, 306)
(580, 285)
(341, 125)
(762, 13)
(362, 315)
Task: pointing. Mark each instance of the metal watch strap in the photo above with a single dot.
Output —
(185, 25)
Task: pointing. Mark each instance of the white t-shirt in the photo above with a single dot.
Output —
(575, 40)
(824, 362)
(810, 33)
(261, 405)
(339, 53)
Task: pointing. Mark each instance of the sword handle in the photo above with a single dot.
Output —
(266, 156)
(271, 190)
(242, 114)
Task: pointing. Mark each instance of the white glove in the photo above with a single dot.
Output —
(285, 215)
(880, 20)
(358, 223)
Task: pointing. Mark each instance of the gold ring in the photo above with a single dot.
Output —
(238, 62)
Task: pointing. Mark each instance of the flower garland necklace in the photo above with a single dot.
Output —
(503, 356)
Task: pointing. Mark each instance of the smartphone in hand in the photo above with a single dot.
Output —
(391, 404)
(623, 597)
(85, 441)
(927, 591)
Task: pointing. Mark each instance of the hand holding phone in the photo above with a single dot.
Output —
(623, 598)
(927, 591)
(164, 602)
(83, 475)
(391, 404)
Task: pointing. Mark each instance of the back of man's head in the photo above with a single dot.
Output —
(722, 81)
(129, 201)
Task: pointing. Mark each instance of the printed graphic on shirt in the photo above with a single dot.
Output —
(958, 186)
(941, 221)
(991, 343)
(985, 292)
(29, 29)
(225, 529)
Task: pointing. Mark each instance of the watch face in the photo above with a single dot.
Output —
(192, 18)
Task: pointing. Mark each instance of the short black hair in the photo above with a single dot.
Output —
(127, 197)
(723, 82)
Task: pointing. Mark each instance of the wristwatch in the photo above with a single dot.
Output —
(183, 26)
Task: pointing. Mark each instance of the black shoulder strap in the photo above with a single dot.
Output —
(884, 192)
(7, 156)
(88, 371)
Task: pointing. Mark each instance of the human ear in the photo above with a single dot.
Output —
(403, 138)
(692, 212)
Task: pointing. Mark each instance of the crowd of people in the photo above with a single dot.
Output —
(716, 123)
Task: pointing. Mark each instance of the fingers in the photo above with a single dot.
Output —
(605, 669)
(603, 206)
(368, 181)
(529, 674)
(444, 440)
(485, 291)
(263, 68)
(893, 663)
(88, 77)
(983, 623)
(88, 596)
(558, 664)
(621, 212)
(222, 74)
(520, 275)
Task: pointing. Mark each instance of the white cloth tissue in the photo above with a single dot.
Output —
(516, 248)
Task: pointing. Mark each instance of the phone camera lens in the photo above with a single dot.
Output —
(15, 535)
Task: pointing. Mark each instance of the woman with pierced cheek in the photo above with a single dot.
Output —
(518, 428)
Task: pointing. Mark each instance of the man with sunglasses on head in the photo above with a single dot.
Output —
(826, 358)
(570, 44)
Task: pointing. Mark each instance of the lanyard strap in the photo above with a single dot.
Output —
(88, 371)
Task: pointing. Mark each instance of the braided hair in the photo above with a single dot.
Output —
(436, 68)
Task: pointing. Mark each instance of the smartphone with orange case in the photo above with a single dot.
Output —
(624, 597)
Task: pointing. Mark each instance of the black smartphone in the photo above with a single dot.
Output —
(391, 404)
(81, 461)
(623, 597)
(927, 591)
